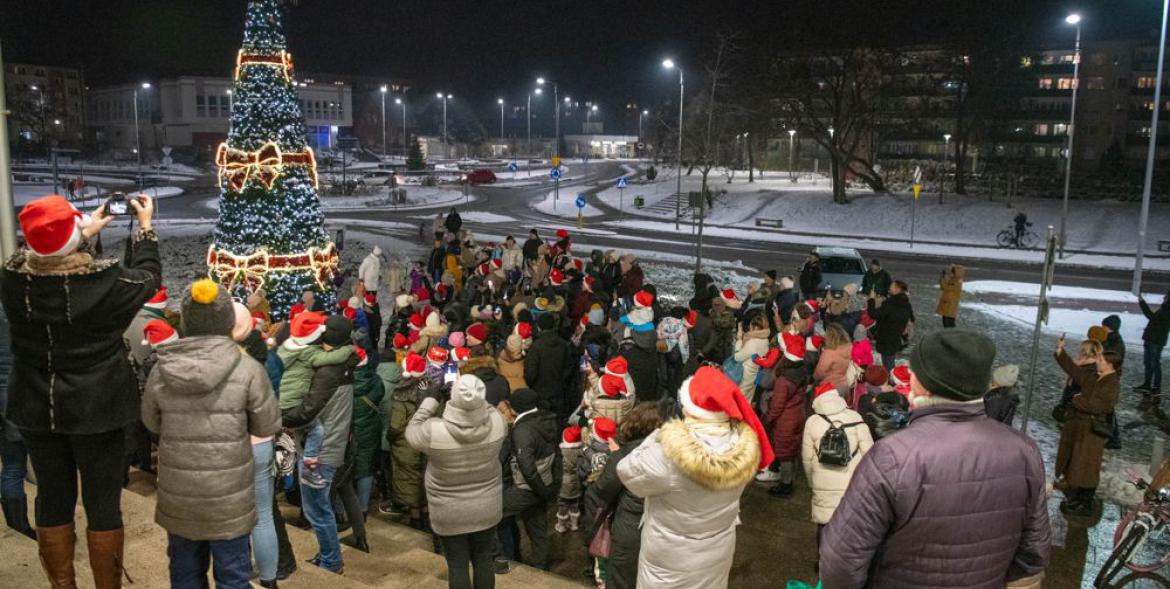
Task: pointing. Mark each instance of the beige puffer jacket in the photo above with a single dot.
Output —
(203, 399)
(829, 482)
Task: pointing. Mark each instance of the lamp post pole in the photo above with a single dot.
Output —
(1075, 20)
(942, 175)
(383, 90)
(138, 132)
(792, 154)
(669, 64)
(500, 101)
(1145, 215)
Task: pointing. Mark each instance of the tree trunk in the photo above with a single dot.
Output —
(702, 218)
(960, 166)
(838, 175)
(751, 164)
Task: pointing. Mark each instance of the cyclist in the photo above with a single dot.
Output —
(1022, 226)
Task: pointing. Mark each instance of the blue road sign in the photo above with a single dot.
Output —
(512, 167)
(555, 173)
(580, 201)
(621, 183)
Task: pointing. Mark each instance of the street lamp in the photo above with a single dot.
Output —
(589, 113)
(402, 103)
(500, 101)
(556, 116)
(137, 132)
(943, 173)
(792, 154)
(444, 98)
(383, 90)
(640, 115)
(231, 101)
(669, 64)
(1145, 214)
(1073, 19)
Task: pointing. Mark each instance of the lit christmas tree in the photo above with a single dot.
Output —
(271, 231)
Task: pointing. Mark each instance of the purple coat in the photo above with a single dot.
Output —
(954, 500)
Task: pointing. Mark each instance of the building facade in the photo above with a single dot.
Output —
(46, 103)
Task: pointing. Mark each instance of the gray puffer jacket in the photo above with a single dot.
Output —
(954, 500)
(203, 398)
(463, 479)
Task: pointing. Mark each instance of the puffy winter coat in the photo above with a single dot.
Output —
(66, 315)
(631, 282)
(645, 365)
(330, 400)
(833, 366)
(1079, 456)
(513, 258)
(722, 334)
(951, 291)
(534, 437)
(810, 279)
(546, 370)
(463, 477)
(511, 367)
(484, 368)
(923, 512)
(570, 480)
(892, 318)
(755, 343)
(370, 271)
(406, 483)
(829, 482)
(692, 482)
(367, 424)
(784, 419)
(203, 399)
(1159, 326)
(608, 492)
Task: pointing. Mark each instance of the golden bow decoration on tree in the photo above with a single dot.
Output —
(229, 269)
(237, 166)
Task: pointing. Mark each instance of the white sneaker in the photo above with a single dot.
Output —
(768, 476)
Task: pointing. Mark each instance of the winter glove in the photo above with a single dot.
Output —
(439, 393)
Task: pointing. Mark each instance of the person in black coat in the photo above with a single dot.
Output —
(533, 469)
(72, 391)
(453, 223)
(646, 365)
(1154, 341)
(548, 368)
(532, 246)
(785, 301)
(892, 318)
(810, 276)
(437, 261)
(876, 279)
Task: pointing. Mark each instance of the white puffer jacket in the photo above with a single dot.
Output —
(829, 482)
(745, 350)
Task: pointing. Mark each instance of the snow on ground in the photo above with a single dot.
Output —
(1073, 322)
(869, 245)
(1026, 289)
(1100, 226)
(565, 207)
(26, 193)
(485, 217)
(76, 166)
(417, 198)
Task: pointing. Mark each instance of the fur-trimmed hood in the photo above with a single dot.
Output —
(718, 472)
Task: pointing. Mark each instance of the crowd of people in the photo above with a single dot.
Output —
(510, 385)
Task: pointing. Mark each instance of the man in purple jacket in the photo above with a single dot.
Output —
(954, 500)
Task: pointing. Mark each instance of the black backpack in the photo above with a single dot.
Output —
(834, 448)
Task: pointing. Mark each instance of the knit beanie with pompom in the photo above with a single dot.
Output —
(207, 310)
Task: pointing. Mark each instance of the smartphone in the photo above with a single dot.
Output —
(450, 373)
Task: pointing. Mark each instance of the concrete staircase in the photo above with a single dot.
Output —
(400, 557)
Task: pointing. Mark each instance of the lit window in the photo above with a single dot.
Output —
(1025, 62)
(1040, 129)
(1145, 82)
(1060, 129)
(1045, 83)
(1065, 83)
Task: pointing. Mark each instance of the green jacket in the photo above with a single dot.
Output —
(391, 375)
(368, 393)
(299, 366)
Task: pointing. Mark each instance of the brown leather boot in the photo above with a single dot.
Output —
(105, 557)
(55, 546)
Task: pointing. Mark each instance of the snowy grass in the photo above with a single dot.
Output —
(565, 207)
(1003, 287)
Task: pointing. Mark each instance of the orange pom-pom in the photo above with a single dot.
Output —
(204, 291)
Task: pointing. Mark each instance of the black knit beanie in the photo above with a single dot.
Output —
(954, 363)
(207, 310)
(338, 331)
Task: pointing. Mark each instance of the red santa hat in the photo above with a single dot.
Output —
(158, 301)
(51, 225)
(437, 355)
(813, 304)
(571, 437)
(461, 354)
(417, 322)
(421, 295)
(709, 394)
(483, 269)
(866, 320)
(729, 299)
(296, 309)
(413, 337)
(441, 290)
(618, 366)
(691, 319)
(815, 343)
(363, 358)
(477, 334)
(371, 299)
(556, 277)
(413, 365)
(900, 375)
(793, 345)
(349, 312)
(603, 428)
(578, 264)
(643, 299)
(524, 330)
(562, 233)
(824, 387)
(497, 263)
(589, 282)
(157, 332)
(768, 360)
(400, 341)
(306, 328)
(613, 385)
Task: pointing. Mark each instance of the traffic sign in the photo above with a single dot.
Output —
(556, 161)
(555, 173)
(621, 183)
(580, 201)
(512, 167)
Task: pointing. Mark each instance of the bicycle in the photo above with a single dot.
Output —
(1026, 241)
(1141, 542)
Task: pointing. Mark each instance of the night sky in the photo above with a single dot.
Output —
(604, 50)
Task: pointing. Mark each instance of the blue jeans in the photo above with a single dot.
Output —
(314, 437)
(364, 486)
(264, 534)
(13, 457)
(318, 508)
(232, 560)
(1152, 360)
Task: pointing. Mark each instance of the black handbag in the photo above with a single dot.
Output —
(1100, 427)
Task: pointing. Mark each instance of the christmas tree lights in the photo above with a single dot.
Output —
(270, 231)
